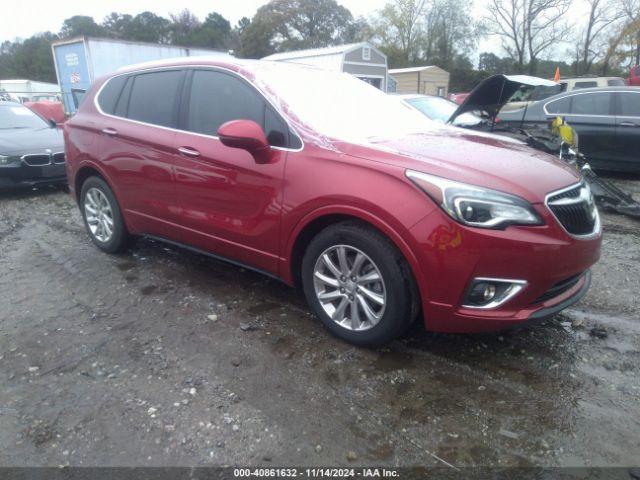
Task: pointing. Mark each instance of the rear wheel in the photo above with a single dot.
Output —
(358, 284)
(102, 216)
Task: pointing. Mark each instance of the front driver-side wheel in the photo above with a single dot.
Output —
(102, 217)
(359, 284)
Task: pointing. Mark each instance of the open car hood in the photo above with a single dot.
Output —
(492, 94)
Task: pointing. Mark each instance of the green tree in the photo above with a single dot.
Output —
(215, 32)
(79, 25)
(283, 25)
(116, 25)
(29, 59)
(398, 29)
(148, 27)
(184, 27)
(449, 34)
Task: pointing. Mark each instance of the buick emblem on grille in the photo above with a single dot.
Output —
(575, 209)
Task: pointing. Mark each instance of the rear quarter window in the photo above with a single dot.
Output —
(615, 82)
(559, 106)
(110, 93)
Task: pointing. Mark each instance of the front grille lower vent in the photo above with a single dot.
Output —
(37, 160)
(575, 209)
(559, 288)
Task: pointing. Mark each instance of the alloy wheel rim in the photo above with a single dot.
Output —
(350, 287)
(99, 215)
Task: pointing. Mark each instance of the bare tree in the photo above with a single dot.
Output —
(631, 9)
(507, 19)
(624, 43)
(528, 28)
(591, 43)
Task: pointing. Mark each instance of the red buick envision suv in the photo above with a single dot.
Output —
(325, 182)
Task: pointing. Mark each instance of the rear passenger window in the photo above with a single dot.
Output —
(590, 104)
(615, 82)
(154, 97)
(630, 104)
(110, 93)
(559, 106)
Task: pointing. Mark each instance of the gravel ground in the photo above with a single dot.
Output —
(163, 357)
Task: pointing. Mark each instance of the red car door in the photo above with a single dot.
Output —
(230, 205)
(138, 152)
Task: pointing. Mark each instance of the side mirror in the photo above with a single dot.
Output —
(52, 123)
(246, 135)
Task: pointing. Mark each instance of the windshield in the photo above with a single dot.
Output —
(440, 110)
(338, 105)
(17, 116)
(434, 108)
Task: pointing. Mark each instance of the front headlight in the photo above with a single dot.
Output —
(476, 206)
(8, 160)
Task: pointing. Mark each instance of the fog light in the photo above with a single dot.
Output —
(491, 292)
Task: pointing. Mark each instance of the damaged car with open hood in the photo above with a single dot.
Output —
(554, 133)
(378, 214)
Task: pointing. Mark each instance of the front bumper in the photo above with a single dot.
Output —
(22, 175)
(451, 255)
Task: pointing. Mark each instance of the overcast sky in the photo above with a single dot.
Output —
(24, 18)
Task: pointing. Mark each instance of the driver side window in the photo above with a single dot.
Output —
(217, 97)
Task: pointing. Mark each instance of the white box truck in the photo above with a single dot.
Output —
(79, 61)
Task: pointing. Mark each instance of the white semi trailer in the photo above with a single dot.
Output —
(79, 61)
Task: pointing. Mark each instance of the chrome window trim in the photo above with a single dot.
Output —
(519, 285)
(573, 94)
(187, 67)
(597, 226)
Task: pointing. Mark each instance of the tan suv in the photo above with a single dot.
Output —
(569, 84)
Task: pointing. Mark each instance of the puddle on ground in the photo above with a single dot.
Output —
(148, 289)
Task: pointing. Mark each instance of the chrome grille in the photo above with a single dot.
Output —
(575, 209)
(58, 157)
(37, 160)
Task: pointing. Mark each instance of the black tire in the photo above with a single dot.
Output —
(402, 300)
(120, 239)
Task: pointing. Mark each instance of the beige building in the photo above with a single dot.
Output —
(430, 80)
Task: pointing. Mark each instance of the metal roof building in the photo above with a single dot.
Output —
(362, 60)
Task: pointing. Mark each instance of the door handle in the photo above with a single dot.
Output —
(628, 124)
(109, 131)
(189, 152)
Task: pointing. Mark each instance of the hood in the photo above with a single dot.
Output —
(492, 94)
(26, 140)
(485, 160)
